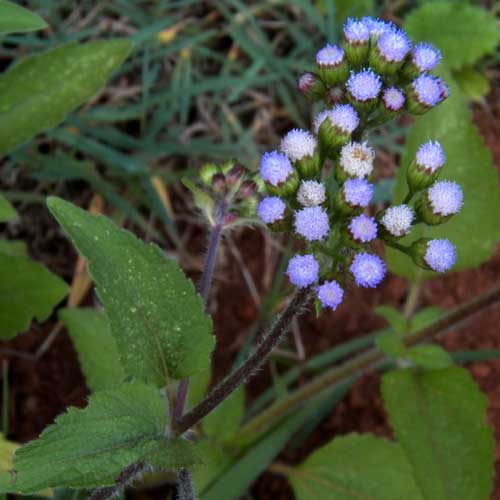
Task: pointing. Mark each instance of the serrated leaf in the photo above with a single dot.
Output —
(224, 421)
(475, 230)
(464, 33)
(39, 91)
(355, 467)
(429, 356)
(27, 291)
(90, 447)
(439, 420)
(16, 19)
(474, 84)
(156, 317)
(7, 211)
(96, 347)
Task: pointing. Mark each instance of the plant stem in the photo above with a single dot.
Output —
(185, 486)
(359, 364)
(249, 367)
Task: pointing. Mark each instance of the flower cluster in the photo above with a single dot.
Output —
(375, 75)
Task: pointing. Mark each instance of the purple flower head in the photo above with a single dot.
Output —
(393, 98)
(364, 85)
(440, 255)
(271, 209)
(357, 192)
(356, 32)
(368, 270)
(427, 89)
(330, 55)
(312, 223)
(430, 156)
(311, 193)
(363, 228)
(275, 167)
(445, 91)
(303, 270)
(342, 116)
(376, 26)
(446, 198)
(425, 56)
(298, 143)
(330, 294)
(394, 45)
(398, 220)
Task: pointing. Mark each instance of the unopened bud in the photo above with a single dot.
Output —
(311, 86)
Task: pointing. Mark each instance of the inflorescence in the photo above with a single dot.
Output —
(374, 76)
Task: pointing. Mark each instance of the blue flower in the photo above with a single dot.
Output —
(425, 56)
(393, 98)
(430, 156)
(393, 45)
(368, 270)
(364, 85)
(376, 26)
(275, 168)
(440, 255)
(342, 116)
(356, 32)
(312, 223)
(303, 270)
(271, 209)
(428, 90)
(330, 55)
(446, 198)
(330, 294)
(363, 228)
(357, 192)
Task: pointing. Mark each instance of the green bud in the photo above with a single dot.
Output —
(419, 178)
(287, 188)
(207, 172)
(357, 54)
(425, 212)
(309, 166)
(311, 86)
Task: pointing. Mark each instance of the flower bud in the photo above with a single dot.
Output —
(367, 269)
(437, 255)
(392, 102)
(311, 86)
(424, 57)
(388, 53)
(247, 189)
(300, 147)
(278, 174)
(440, 202)
(330, 294)
(312, 223)
(363, 229)
(353, 196)
(273, 212)
(311, 193)
(363, 89)
(425, 92)
(334, 127)
(355, 161)
(303, 270)
(207, 172)
(219, 182)
(395, 222)
(235, 175)
(424, 169)
(356, 42)
(332, 64)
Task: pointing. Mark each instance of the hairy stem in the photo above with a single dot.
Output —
(249, 367)
(364, 361)
(185, 486)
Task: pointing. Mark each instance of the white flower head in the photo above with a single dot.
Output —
(398, 220)
(356, 159)
(298, 143)
(311, 193)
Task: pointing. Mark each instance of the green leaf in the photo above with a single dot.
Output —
(475, 229)
(474, 84)
(15, 248)
(425, 317)
(27, 291)
(156, 317)
(222, 424)
(391, 344)
(14, 18)
(439, 420)
(395, 318)
(7, 211)
(355, 467)
(38, 92)
(464, 33)
(96, 347)
(90, 447)
(429, 356)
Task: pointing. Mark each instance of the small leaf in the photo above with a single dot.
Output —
(429, 356)
(474, 85)
(391, 345)
(395, 318)
(425, 317)
(355, 467)
(96, 347)
(27, 290)
(38, 92)
(14, 248)
(14, 18)
(464, 33)
(439, 420)
(7, 211)
(90, 447)
(156, 317)
(222, 424)
(474, 230)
